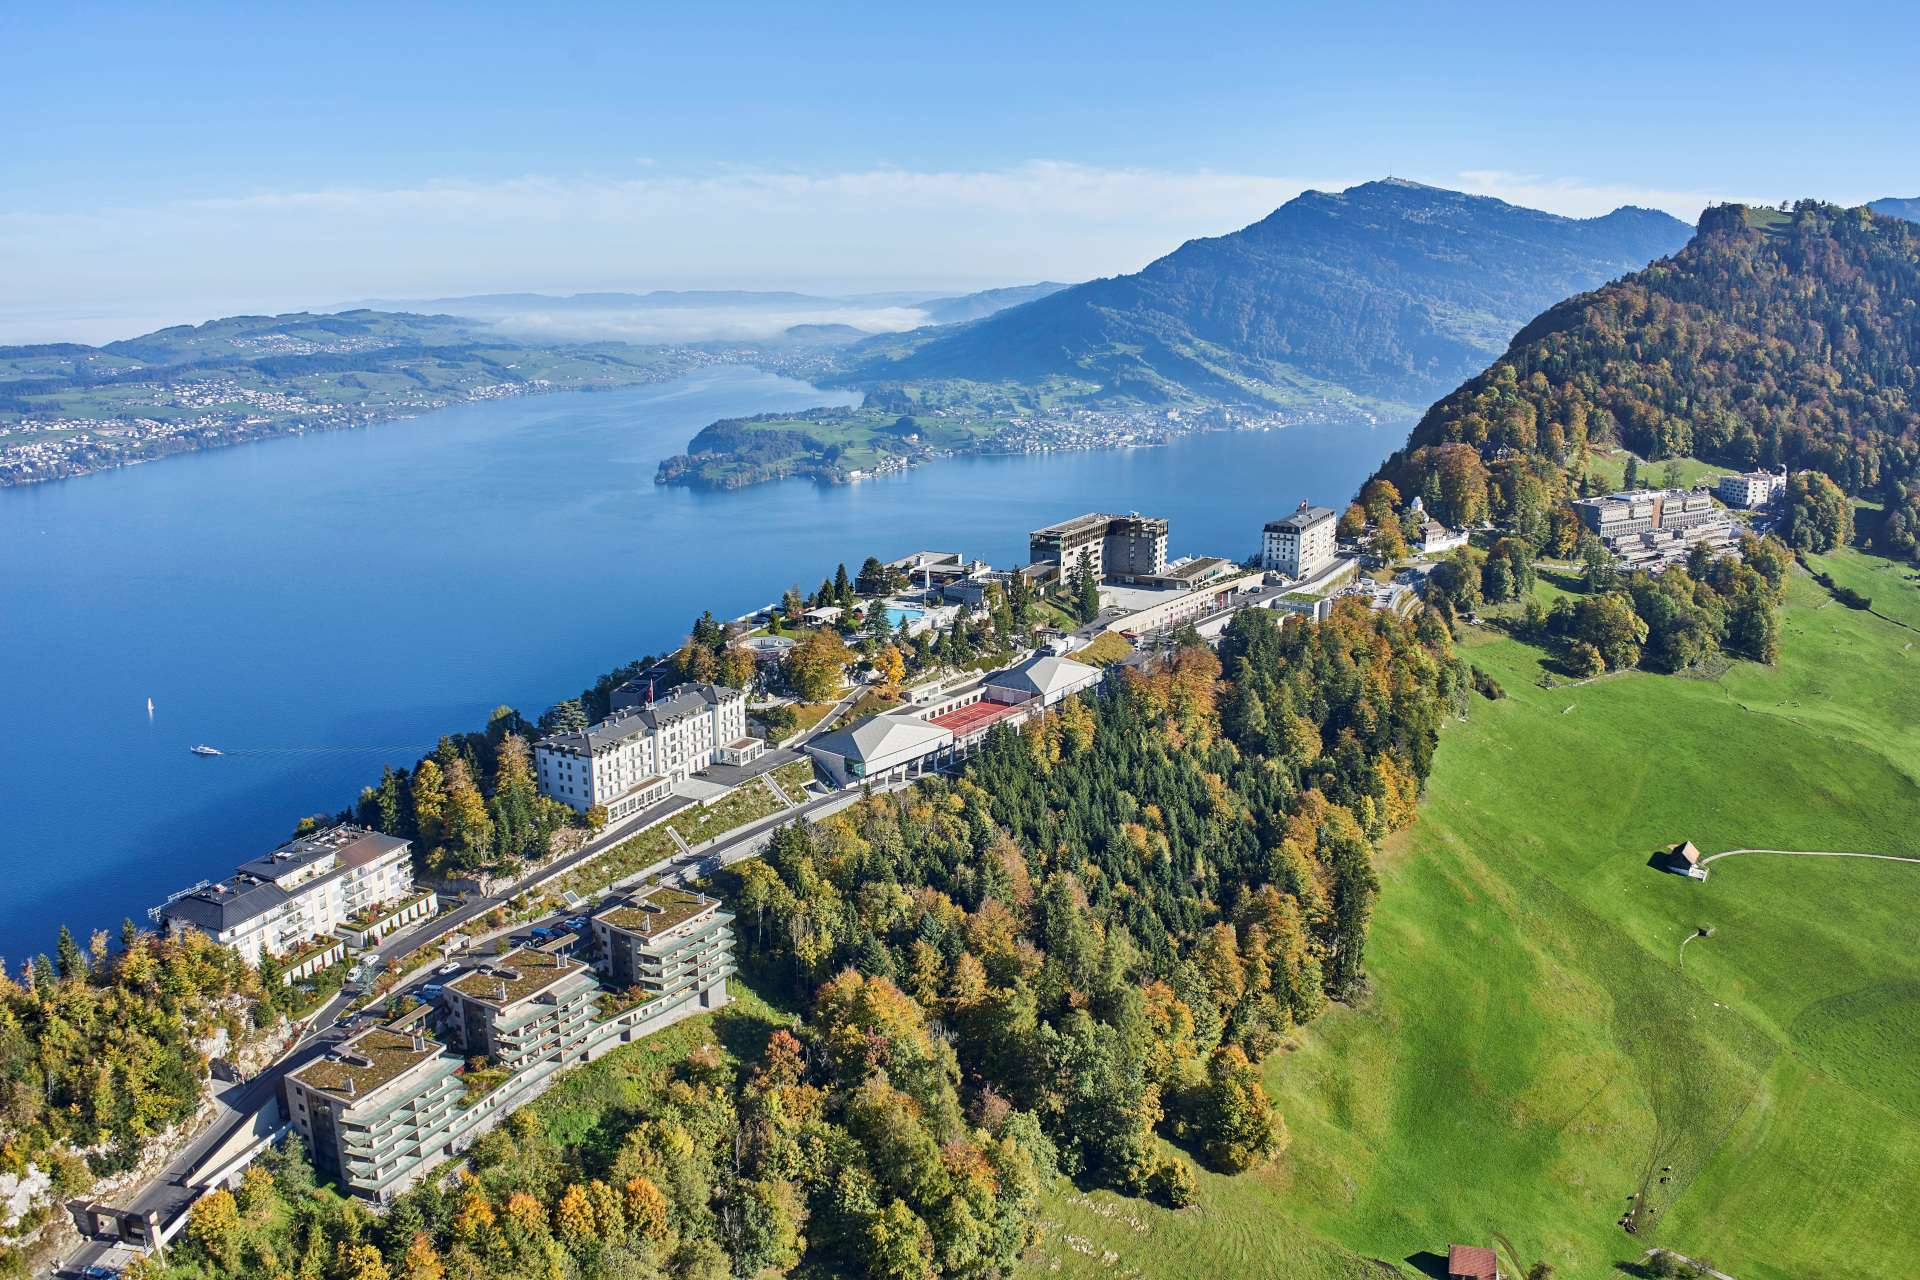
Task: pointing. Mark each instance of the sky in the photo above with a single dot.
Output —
(172, 163)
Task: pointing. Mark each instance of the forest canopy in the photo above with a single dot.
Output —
(1775, 338)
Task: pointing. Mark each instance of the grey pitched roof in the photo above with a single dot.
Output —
(223, 906)
(1045, 675)
(878, 736)
(680, 702)
(1299, 521)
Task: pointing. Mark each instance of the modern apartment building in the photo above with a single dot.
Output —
(637, 755)
(1620, 514)
(1301, 544)
(295, 900)
(384, 1107)
(1118, 547)
(526, 1009)
(394, 1101)
(673, 945)
(1753, 489)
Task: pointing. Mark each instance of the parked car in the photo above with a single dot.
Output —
(544, 934)
(578, 922)
(430, 992)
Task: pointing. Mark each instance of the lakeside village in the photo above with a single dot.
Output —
(822, 708)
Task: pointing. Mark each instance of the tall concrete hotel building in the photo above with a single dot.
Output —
(1117, 547)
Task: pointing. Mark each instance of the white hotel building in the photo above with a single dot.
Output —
(636, 756)
(1301, 544)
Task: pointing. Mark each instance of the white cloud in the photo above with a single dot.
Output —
(833, 233)
(1580, 198)
(818, 233)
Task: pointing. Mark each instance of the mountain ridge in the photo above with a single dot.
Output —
(1391, 288)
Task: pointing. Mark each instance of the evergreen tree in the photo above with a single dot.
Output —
(1086, 588)
(72, 963)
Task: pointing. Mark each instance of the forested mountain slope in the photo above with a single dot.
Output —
(1392, 289)
(1895, 208)
(1774, 338)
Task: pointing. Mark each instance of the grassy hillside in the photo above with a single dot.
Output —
(1533, 1052)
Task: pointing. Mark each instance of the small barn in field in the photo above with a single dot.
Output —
(1471, 1262)
(1685, 860)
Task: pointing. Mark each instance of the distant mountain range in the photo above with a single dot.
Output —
(1894, 207)
(667, 315)
(1390, 289)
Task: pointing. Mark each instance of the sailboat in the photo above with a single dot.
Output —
(149, 706)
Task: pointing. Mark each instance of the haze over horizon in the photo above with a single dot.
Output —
(621, 151)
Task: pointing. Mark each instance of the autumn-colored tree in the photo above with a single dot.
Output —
(899, 1245)
(467, 825)
(1239, 1126)
(573, 1217)
(646, 1208)
(361, 1262)
(527, 1213)
(1389, 543)
(813, 667)
(429, 802)
(422, 1263)
(736, 668)
(1380, 498)
(609, 1213)
(258, 1196)
(475, 1221)
(214, 1224)
(891, 667)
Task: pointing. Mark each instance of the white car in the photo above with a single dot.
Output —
(446, 969)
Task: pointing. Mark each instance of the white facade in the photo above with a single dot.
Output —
(304, 890)
(1435, 536)
(635, 757)
(1301, 544)
(1754, 489)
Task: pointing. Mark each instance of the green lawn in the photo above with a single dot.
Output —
(1532, 1054)
(572, 1111)
(1692, 470)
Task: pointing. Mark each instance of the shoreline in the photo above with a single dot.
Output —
(1156, 437)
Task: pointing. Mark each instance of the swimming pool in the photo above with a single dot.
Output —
(895, 616)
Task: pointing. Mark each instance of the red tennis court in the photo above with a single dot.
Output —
(974, 717)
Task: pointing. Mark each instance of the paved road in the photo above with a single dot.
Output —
(1808, 853)
(171, 1190)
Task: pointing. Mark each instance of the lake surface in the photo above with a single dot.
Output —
(315, 606)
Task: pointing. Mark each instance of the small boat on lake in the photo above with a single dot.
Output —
(203, 751)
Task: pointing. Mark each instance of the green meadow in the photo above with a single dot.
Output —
(1536, 1060)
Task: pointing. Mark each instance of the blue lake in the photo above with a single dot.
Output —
(318, 605)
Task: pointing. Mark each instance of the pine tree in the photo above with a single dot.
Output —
(1086, 588)
(842, 588)
(72, 963)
